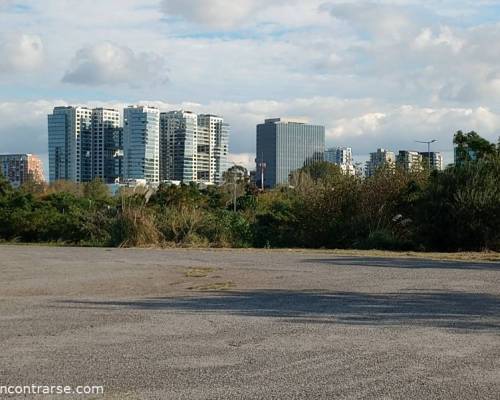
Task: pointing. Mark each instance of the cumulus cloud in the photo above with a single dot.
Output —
(20, 52)
(108, 63)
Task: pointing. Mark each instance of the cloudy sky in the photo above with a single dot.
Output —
(375, 73)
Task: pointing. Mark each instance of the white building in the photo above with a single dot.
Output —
(436, 160)
(82, 143)
(379, 159)
(141, 143)
(409, 160)
(341, 156)
(193, 148)
(70, 130)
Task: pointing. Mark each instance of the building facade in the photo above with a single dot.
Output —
(380, 158)
(286, 146)
(409, 161)
(106, 123)
(341, 156)
(19, 169)
(83, 144)
(193, 148)
(70, 144)
(141, 144)
(436, 160)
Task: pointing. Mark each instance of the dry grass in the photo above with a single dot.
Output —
(198, 272)
(213, 287)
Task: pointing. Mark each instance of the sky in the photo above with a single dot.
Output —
(375, 73)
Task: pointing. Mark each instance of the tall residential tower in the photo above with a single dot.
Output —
(141, 144)
(70, 130)
(193, 148)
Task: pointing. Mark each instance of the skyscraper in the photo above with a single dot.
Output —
(341, 156)
(178, 130)
(82, 144)
(193, 148)
(105, 123)
(285, 146)
(378, 159)
(213, 148)
(141, 143)
(19, 169)
(70, 139)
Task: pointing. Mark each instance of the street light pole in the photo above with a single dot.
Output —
(428, 143)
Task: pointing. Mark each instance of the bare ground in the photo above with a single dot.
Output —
(208, 324)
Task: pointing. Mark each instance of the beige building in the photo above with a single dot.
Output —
(380, 158)
(410, 161)
(21, 168)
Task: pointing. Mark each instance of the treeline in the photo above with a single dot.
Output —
(454, 210)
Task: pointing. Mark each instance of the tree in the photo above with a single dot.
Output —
(471, 147)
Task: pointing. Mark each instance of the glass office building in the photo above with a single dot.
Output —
(141, 143)
(284, 147)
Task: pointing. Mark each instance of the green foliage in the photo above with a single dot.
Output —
(460, 210)
(457, 209)
(471, 147)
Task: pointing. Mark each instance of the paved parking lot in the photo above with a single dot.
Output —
(199, 324)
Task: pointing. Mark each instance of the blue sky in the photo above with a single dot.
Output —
(375, 73)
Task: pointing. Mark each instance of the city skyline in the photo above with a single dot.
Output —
(437, 74)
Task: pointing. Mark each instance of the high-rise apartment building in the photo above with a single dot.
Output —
(141, 144)
(436, 160)
(286, 146)
(105, 126)
(193, 148)
(410, 161)
(70, 144)
(341, 156)
(379, 159)
(213, 148)
(19, 169)
(83, 144)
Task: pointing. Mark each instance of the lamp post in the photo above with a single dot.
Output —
(234, 186)
(428, 143)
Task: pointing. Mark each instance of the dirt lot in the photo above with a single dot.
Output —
(200, 324)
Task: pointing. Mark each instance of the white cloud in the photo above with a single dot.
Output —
(247, 160)
(213, 13)
(107, 63)
(20, 52)
(445, 38)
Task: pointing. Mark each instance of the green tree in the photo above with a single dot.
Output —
(471, 147)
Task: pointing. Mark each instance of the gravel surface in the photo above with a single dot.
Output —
(247, 324)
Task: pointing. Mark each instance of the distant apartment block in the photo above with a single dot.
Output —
(70, 144)
(409, 161)
(193, 148)
(141, 144)
(380, 158)
(105, 140)
(19, 169)
(341, 156)
(286, 146)
(83, 144)
(436, 160)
